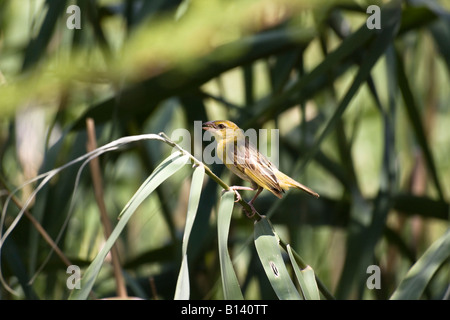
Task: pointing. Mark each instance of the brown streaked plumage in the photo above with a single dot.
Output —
(244, 160)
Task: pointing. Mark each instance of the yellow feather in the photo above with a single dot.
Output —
(244, 160)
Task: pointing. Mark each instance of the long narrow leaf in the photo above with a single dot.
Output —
(391, 20)
(305, 277)
(440, 29)
(309, 282)
(231, 287)
(182, 291)
(420, 274)
(158, 88)
(267, 246)
(166, 169)
(37, 47)
(358, 249)
(416, 123)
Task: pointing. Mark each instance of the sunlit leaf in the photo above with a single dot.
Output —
(167, 168)
(305, 278)
(182, 291)
(269, 253)
(231, 287)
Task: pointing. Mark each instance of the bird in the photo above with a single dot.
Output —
(244, 160)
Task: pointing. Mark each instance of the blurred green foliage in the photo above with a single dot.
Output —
(363, 118)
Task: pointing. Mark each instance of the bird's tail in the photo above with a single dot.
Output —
(292, 183)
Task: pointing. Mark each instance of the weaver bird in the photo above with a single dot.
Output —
(244, 160)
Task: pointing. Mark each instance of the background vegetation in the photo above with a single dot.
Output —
(363, 118)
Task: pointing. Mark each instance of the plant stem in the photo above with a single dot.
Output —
(97, 182)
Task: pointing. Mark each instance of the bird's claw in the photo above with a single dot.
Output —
(252, 214)
(238, 196)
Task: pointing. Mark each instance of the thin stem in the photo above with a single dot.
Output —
(323, 289)
(97, 182)
(40, 229)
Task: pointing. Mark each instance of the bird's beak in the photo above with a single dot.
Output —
(207, 125)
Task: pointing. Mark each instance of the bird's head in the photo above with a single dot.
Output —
(222, 129)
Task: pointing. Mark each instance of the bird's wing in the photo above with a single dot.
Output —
(257, 167)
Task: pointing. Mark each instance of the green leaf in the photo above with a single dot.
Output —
(267, 246)
(415, 118)
(37, 46)
(310, 284)
(182, 8)
(415, 17)
(166, 169)
(145, 96)
(160, 174)
(306, 278)
(441, 34)
(390, 22)
(335, 63)
(231, 287)
(420, 274)
(359, 250)
(182, 291)
(18, 268)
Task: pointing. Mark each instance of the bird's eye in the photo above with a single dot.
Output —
(221, 126)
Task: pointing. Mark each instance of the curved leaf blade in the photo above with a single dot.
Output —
(182, 291)
(420, 274)
(305, 277)
(166, 169)
(231, 287)
(269, 253)
(415, 118)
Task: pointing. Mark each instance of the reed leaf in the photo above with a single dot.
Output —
(166, 169)
(230, 284)
(182, 291)
(419, 276)
(269, 252)
(305, 278)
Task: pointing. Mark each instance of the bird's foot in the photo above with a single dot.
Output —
(250, 214)
(238, 196)
(235, 188)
